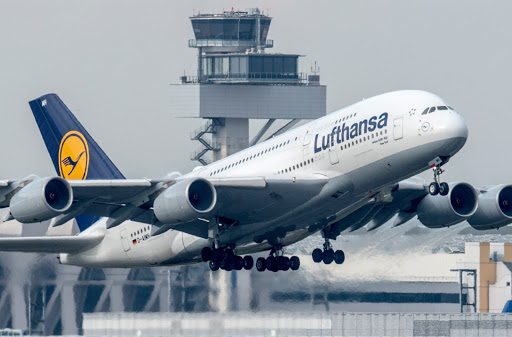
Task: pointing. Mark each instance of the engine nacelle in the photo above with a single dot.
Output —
(494, 208)
(444, 211)
(41, 200)
(185, 201)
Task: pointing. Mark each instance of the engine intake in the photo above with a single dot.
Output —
(494, 208)
(41, 200)
(444, 211)
(185, 201)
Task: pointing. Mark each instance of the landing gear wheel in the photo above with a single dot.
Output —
(317, 255)
(283, 263)
(248, 262)
(261, 264)
(227, 264)
(339, 257)
(294, 263)
(214, 265)
(328, 256)
(444, 189)
(272, 264)
(217, 254)
(206, 254)
(238, 263)
(433, 188)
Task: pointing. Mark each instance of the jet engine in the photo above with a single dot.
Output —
(41, 200)
(185, 201)
(494, 208)
(444, 211)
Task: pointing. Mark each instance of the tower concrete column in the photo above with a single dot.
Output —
(231, 137)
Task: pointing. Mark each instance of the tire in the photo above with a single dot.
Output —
(433, 188)
(206, 254)
(328, 256)
(317, 255)
(339, 257)
(217, 254)
(248, 262)
(227, 263)
(286, 263)
(214, 265)
(261, 264)
(444, 189)
(238, 263)
(272, 264)
(294, 263)
(283, 263)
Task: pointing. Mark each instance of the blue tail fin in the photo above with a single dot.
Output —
(75, 155)
(74, 152)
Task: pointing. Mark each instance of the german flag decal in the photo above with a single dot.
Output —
(134, 241)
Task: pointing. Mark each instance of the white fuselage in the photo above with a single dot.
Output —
(368, 146)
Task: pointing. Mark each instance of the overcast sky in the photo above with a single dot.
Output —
(112, 63)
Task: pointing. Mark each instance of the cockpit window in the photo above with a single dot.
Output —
(434, 108)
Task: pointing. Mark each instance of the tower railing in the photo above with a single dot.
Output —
(229, 43)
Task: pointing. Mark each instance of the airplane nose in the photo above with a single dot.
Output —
(455, 134)
(458, 126)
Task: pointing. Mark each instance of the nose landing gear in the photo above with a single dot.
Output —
(436, 187)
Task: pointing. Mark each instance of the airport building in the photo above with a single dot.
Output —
(238, 80)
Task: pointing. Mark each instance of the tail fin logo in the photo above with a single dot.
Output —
(73, 156)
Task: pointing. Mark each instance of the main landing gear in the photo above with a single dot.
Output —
(438, 187)
(225, 259)
(276, 261)
(328, 255)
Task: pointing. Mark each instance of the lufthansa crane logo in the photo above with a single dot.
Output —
(73, 156)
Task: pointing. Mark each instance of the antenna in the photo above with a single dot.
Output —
(315, 70)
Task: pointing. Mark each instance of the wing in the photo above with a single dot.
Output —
(402, 198)
(241, 200)
(50, 244)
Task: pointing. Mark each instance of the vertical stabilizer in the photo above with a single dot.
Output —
(74, 153)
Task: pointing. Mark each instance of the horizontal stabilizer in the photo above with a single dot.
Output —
(50, 244)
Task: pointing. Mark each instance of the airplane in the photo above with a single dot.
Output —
(352, 168)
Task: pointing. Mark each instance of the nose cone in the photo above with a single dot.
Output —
(458, 127)
(455, 133)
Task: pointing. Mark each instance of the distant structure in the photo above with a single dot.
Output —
(237, 81)
(485, 277)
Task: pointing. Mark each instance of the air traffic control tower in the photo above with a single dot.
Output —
(237, 80)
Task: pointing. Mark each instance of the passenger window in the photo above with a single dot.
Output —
(425, 111)
(432, 109)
